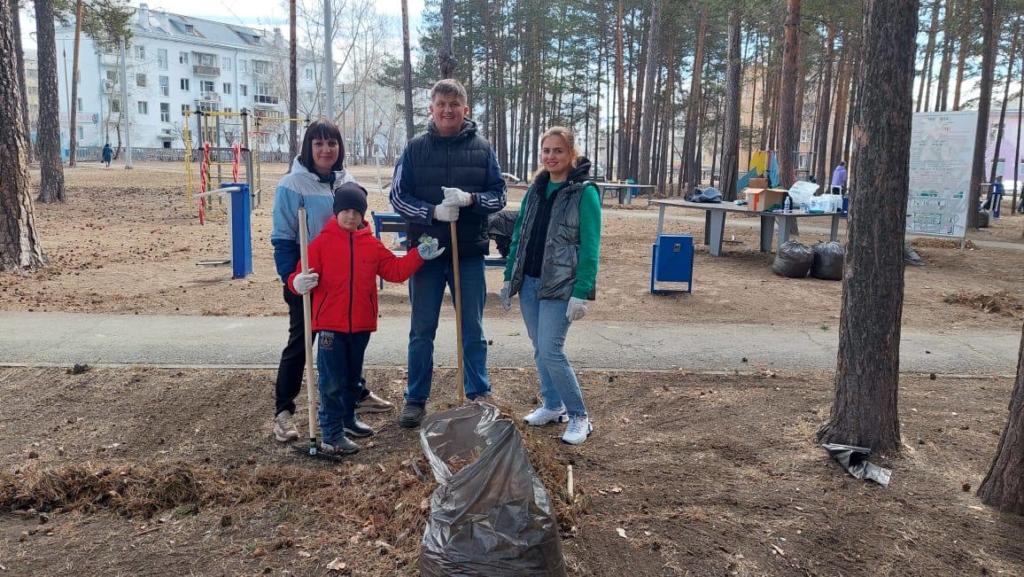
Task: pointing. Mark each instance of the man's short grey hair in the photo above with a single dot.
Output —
(449, 87)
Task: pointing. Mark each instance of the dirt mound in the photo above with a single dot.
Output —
(1000, 303)
(940, 243)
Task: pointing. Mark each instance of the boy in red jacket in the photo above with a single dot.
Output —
(344, 261)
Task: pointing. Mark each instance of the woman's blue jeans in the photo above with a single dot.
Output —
(547, 326)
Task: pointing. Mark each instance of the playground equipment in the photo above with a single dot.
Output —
(239, 208)
(225, 143)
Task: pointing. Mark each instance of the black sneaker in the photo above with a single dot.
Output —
(340, 446)
(358, 428)
(411, 416)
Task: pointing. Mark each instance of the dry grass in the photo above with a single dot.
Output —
(1000, 303)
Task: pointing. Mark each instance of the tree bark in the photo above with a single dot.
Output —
(51, 169)
(964, 29)
(293, 85)
(733, 92)
(929, 64)
(1003, 487)
(842, 100)
(864, 412)
(789, 142)
(1002, 109)
(19, 241)
(620, 86)
(73, 115)
(447, 55)
(942, 93)
(650, 90)
(826, 105)
(407, 72)
(690, 167)
(988, 64)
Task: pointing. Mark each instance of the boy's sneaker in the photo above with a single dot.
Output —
(374, 404)
(341, 446)
(358, 428)
(411, 416)
(578, 430)
(284, 428)
(543, 416)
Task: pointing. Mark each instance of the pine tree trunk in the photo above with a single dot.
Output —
(988, 64)
(789, 142)
(864, 412)
(293, 85)
(842, 100)
(733, 93)
(651, 69)
(821, 141)
(19, 53)
(965, 26)
(73, 115)
(1003, 487)
(51, 169)
(447, 56)
(926, 72)
(1002, 109)
(19, 241)
(689, 178)
(942, 95)
(620, 85)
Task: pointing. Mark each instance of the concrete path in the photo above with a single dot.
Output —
(102, 339)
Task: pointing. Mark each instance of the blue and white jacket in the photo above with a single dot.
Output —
(300, 187)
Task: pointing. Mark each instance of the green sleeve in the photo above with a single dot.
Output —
(590, 243)
(514, 248)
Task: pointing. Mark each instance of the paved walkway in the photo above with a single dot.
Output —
(103, 339)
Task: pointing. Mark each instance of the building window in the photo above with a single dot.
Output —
(227, 88)
(165, 112)
(260, 67)
(243, 90)
(183, 58)
(229, 109)
(206, 86)
(80, 104)
(184, 84)
(184, 108)
(140, 80)
(309, 74)
(225, 63)
(161, 58)
(140, 52)
(242, 66)
(206, 59)
(143, 107)
(115, 105)
(112, 75)
(81, 133)
(165, 86)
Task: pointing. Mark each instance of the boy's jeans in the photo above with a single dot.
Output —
(426, 293)
(547, 326)
(339, 361)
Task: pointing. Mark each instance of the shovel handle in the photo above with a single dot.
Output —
(307, 327)
(460, 382)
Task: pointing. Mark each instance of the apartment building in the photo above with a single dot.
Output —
(177, 63)
(32, 89)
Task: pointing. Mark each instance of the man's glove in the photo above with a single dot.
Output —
(305, 281)
(456, 197)
(577, 309)
(428, 248)
(506, 296)
(446, 213)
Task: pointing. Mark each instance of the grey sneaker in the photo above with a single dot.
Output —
(411, 416)
(578, 430)
(284, 428)
(358, 428)
(340, 446)
(374, 404)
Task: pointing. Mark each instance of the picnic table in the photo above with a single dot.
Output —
(623, 190)
(714, 222)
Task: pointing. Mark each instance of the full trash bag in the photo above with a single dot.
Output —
(793, 260)
(500, 226)
(828, 261)
(491, 515)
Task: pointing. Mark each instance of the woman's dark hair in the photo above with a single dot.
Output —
(324, 130)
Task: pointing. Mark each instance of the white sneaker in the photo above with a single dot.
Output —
(284, 428)
(542, 416)
(578, 430)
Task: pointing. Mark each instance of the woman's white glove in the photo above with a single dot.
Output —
(456, 197)
(428, 248)
(305, 281)
(446, 213)
(577, 309)
(506, 296)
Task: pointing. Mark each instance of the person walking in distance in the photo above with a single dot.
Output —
(314, 176)
(552, 266)
(449, 174)
(839, 178)
(108, 154)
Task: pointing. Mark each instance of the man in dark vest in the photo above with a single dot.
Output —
(450, 174)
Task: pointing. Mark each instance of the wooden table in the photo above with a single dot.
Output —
(714, 222)
(622, 188)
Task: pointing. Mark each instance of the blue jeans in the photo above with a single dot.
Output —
(339, 361)
(426, 292)
(547, 326)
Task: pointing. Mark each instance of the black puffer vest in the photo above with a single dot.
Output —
(461, 161)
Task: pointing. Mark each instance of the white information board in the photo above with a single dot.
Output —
(941, 155)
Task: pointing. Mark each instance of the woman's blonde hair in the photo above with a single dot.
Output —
(570, 140)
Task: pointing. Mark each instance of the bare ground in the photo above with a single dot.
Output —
(703, 474)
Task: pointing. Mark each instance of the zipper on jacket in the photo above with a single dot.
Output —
(351, 276)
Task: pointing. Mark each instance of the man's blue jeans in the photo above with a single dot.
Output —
(547, 326)
(426, 293)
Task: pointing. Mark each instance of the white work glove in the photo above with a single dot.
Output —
(305, 281)
(428, 248)
(446, 213)
(577, 309)
(456, 197)
(506, 296)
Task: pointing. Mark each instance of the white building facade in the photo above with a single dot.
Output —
(177, 63)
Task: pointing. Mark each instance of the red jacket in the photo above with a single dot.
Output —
(345, 299)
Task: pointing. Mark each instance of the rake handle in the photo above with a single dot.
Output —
(307, 327)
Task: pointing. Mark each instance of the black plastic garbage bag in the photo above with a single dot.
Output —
(500, 226)
(793, 260)
(984, 218)
(709, 194)
(828, 261)
(490, 516)
(855, 461)
(910, 255)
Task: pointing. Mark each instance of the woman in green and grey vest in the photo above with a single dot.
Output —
(552, 266)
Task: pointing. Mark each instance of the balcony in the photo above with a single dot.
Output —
(111, 87)
(200, 70)
(209, 97)
(265, 100)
